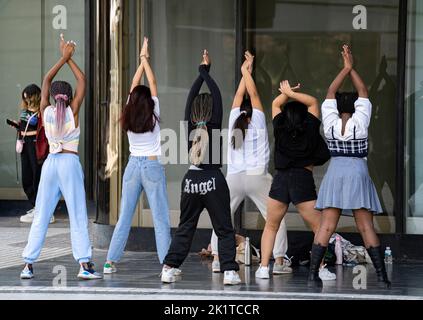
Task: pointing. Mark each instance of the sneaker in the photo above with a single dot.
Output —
(262, 273)
(326, 275)
(231, 278)
(109, 268)
(29, 217)
(89, 273)
(282, 268)
(27, 273)
(169, 275)
(216, 267)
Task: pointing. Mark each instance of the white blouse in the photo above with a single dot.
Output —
(358, 123)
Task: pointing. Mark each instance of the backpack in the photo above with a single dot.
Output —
(41, 146)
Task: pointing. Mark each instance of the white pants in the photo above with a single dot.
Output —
(257, 188)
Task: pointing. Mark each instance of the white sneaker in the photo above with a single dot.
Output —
(89, 273)
(282, 268)
(27, 273)
(29, 217)
(169, 275)
(326, 275)
(109, 268)
(231, 278)
(216, 267)
(262, 273)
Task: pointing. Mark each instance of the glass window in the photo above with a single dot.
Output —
(179, 31)
(414, 118)
(301, 41)
(30, 46)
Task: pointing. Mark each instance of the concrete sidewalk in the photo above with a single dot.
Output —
(138, 276)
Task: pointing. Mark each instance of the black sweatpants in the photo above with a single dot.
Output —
(31, 170)
(201, 190)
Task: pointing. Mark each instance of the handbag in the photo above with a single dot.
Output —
(41, 146)
(20, 142)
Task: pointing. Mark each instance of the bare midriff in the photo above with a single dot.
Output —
(69, 152)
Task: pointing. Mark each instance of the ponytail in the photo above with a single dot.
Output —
(61, 106)
(201, 114)
(61, 92)
(241, 124)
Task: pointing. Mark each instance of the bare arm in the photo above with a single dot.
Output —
(151, 78)
(337, 83)
(345, 72)
(48, 79)
(137, 77)
(278, 103)
(81, 85)
(310, 101)
(359, 84)
(249, 82)
(240, 94)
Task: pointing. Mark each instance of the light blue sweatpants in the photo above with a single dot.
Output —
(61, 175)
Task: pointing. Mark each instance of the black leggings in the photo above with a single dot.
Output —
(31, 170)
(204, 190)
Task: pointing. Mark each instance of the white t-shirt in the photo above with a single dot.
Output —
(359, 121)
(253, 156)
(147, 144)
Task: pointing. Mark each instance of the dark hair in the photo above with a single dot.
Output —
(294, 116)
(201, 113)
(138, 115)
(61, 92)
(346, 102)
(241, 124)
(31, 97)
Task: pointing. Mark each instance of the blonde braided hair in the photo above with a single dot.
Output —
(201, 114)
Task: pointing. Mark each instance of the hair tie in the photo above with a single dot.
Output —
(202, 123)
(244, 112)
(61, 97)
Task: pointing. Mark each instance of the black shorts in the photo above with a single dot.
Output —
(294, 185)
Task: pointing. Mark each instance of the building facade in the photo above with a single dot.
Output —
(295, 40)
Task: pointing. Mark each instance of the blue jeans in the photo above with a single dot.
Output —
(149, 175)
(61, 175)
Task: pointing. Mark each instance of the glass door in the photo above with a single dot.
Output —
(301, 41)
(414, 117)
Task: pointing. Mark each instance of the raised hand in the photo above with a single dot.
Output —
(206, 58)
(286, 89)
(249, 61)
(348, 58)
(62, 43)
(65, 46)
(145, 51)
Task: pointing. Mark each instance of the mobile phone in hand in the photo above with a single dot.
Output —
(12, 124)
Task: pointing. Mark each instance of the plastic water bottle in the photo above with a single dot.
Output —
(388, 255)
(338, 250)
(247, 252)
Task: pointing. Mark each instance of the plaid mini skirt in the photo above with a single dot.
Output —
(347, 185)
